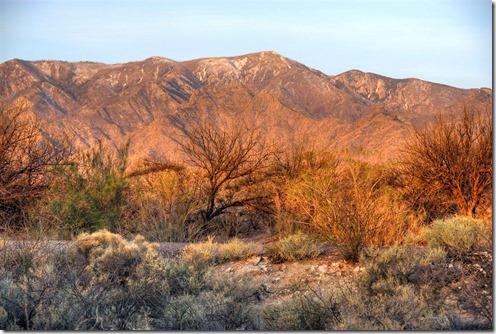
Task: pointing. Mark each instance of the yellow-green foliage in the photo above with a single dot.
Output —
(295, 247)
(201, 253)
(210, 252)
(237, 250)
(457, 236)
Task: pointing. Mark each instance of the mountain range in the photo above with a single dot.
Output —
(362, 113)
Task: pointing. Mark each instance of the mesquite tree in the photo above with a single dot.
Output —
(231, 162)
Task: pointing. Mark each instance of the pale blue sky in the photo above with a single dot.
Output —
(445, 41)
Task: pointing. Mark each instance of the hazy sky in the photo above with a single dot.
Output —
(445, 41)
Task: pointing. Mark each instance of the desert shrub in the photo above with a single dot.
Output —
(28, 282)
(402, 309)
(121, 280)
(401, 289)
(162, 204)
(352, 207)
(226, 305)
(294, 247)
(407, 266)
(458, 236)
(308, 310)
(188, 277)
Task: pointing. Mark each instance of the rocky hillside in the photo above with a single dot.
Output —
(140, 100)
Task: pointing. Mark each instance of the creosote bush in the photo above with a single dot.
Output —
(458, 236)
(294, 247)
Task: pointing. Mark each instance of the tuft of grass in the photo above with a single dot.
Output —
(236, 250)
(295, 247)
(200, 254)
(210, 252)
(457, 236)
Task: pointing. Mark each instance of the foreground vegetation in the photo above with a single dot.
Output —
(103, 281)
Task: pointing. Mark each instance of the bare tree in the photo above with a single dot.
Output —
(231, 162)
(26, 155)
(449, 163)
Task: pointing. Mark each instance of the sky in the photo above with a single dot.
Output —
(443, 41)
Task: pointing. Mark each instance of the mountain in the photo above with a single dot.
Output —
(141, 100)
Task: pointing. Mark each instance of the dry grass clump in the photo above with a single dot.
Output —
(210, 252)
(294, 247)
(458, 236)
(236, 250)
(200, 253)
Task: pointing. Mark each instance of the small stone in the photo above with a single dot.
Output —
(357, 269)
(266, 288)
(322, 268)
(276, 279)
(282, 267)
(257, 260)
(229, 270)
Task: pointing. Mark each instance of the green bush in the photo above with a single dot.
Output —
(89, 194)
(294, 247)
(457, 236)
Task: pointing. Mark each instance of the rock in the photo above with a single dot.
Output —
(282, 267)
(358, 269)
(322, 268)
(229, 270)
(266, 288)
(257, 260)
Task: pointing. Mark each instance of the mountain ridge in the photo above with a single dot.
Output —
(352, 110)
